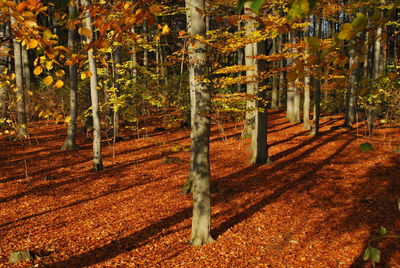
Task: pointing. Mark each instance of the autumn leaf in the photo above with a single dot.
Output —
(48, 80)
(346, 32)
(182, 33)
(85, 75)
(32, 43)
(156, 9)
(291, 76)
(59, 84)
(165, 30)
(60, 73)
(38, 70)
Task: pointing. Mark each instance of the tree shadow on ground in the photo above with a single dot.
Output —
(126, 244)
(259, 181)
(380, 210)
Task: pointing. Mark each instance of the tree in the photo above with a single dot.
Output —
(70, 143)
(19, 77)
(200, 129)
(97, 160)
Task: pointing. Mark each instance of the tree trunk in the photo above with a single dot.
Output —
(350, 116)
(201, 221)
(134, 60)
(275, 80)
(282, 64)
(317, 105)
(251, 85)
(306, 104)
(3, 66)
(188, 186)
(27, 80)
(70, 141)
(116, 63)
(97, 161)
(22, 128)
(375, 76)
(259, 136)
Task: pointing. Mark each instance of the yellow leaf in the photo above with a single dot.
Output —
(85, 74)
(38, 70)
(60, 73)
(48, 80)
(59, 84)
(49, 65)
(67, 119)
(33, 43)
(165, 30)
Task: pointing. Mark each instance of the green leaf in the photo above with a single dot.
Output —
(366, 146)
(300, 8)
(382, 231)
(255, 4)
(359, 22)
(367, 254)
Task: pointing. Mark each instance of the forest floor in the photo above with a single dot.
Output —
(318, 204)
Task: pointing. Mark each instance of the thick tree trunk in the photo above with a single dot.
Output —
(201, 221)
(22, 127)
(70, 141)
(188, 186)
(97, 161)
(259, 136)
(251, 85)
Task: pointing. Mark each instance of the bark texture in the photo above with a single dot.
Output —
(18, 65)
(70, 141)
(97, 160)
(201, 220)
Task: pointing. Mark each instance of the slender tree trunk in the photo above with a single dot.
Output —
(282, 64)
(116, 63)
(70, 141)
(375, 76)
(22, 127)
(134, 60)
(275, 80)
(145, 51)
(201, 222)
(293, 94)
(27, 80)
(306, 104)
(351, 92)
(3, 66)
(317, 105)
(97, 161)
(317, 86)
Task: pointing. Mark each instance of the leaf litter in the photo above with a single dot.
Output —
(318, 204)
